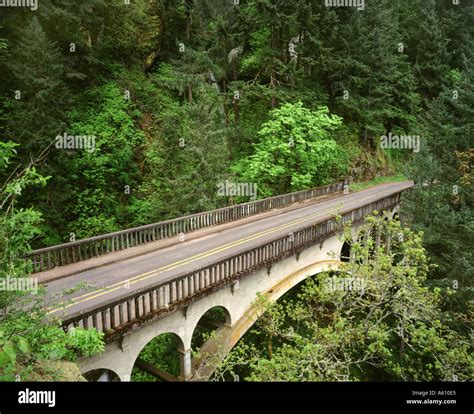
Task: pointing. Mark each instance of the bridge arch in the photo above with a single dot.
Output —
(164, 350)
(345, 254)
(209, 324)
(345, 251)
(225, 312)
(122, 354)
(357, 234)
(215, 349)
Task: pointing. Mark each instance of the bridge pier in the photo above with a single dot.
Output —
(125, 377)
(105, 377)
(185, 364)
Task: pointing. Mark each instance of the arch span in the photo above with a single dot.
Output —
(159, 358)
(215, 349)
(225, 318)
(345, 252)
(212, 323)
(120, 355)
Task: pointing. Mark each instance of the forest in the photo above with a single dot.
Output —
(118, 113)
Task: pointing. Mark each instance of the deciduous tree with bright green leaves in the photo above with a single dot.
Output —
(294, 151)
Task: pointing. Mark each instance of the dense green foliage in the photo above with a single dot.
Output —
(160, 352)
(383, 325)
(294, 151)
(101, 177)
(27, 337)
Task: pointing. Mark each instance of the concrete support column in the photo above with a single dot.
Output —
(185, 364)
(105, 377)
(124, 377)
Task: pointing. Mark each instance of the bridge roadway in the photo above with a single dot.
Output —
(120, 279)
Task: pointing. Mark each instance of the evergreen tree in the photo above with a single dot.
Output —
(39, 96)
(374, 87)
(441, 205)
(426, 45)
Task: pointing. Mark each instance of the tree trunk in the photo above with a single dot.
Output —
(236, 101)
(188, 37)
(273, 76)
(226, 110)
(274, 98)
(190, 94)
(236, 111)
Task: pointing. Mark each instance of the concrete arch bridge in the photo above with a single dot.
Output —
(165, 277)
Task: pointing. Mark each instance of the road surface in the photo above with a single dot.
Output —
(121, 278)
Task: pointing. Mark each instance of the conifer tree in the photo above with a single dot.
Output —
(39, 96)
(375, 86)
(426, 45)
(442, 204)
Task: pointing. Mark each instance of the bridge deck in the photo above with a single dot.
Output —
(115, 279)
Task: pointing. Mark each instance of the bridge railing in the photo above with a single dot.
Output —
(72, 252)
(119, 315)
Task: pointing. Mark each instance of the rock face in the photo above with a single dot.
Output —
(56, 371)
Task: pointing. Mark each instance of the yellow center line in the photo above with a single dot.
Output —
(125, 283)
(206, 253)
(191, 258)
